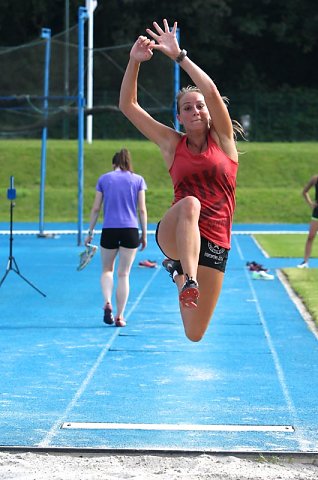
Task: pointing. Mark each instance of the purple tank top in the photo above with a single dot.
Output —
(120, 198)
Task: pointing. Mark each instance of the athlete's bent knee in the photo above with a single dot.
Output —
(191, 202)
(191, 206)
(194, 336)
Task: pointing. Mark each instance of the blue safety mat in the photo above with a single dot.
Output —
(69, 381)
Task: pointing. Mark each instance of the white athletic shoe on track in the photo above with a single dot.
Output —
(261, 275)
(303, 265)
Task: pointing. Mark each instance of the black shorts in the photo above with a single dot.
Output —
(211, 255)
(119, 237)
(314, 215)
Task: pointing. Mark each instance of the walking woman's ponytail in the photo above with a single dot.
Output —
(122, 160)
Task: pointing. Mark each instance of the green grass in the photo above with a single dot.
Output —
(303, 281)
(22, 159)
(285, 245)
(270, 181)
(270, 178)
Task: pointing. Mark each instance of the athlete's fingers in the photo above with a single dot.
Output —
(158, 28)
(168, 29)
(152, 34)
(174, 28)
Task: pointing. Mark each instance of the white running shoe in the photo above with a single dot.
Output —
(261, 275)
(303, 265)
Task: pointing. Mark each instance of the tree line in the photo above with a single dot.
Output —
(245, 45)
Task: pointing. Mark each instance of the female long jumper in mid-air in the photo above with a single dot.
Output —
(194, 234)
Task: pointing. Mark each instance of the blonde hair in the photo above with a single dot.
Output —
(237, 127)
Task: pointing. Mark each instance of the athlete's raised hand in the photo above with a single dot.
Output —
(166, 40)
(142, 49)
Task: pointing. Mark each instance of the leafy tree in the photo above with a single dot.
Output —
(244, 44)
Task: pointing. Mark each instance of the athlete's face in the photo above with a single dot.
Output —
(193, 111)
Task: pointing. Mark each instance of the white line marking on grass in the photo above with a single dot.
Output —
(260, 247)
(298, 303)
(56, 426)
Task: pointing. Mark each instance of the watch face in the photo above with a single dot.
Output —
(181, 56)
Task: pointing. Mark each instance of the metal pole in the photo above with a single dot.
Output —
(46, 34)
(82, 16)
(66, 66)
(90, 6)
(176, 86)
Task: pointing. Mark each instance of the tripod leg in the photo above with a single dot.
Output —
(12, 264)
(15, 269)
(15, 265)
(4, 277)
(31, 284)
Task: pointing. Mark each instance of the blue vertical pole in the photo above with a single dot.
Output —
(176, 86)
(46, 34)
(82, 16)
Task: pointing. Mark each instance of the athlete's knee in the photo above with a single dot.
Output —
(106, 271)
(194, 332)
(123, 273)
(194, 336)
(191, 206)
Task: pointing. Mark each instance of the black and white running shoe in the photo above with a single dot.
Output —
(172, 266)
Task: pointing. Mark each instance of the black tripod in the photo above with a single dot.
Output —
(12, 264)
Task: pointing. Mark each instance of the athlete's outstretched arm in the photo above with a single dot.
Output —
(166, 42)
(155, 131)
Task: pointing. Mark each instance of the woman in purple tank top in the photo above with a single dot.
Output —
(122, 195)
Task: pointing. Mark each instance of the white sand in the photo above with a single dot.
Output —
(34, 466)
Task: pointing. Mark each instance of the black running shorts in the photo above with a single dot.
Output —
(119, 237)
(211, 255)
(315, 214)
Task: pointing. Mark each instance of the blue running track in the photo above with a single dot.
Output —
(69, 381)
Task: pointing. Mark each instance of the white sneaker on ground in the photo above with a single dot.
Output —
(303, 265)
(261, 275)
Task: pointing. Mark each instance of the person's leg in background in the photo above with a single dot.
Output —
(107, 281)
(313, 228)
(125, 261)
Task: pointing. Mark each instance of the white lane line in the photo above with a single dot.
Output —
(281, 377)
(260, 247)
(54, 232)
(279, 370)
(238, 248)
(269, 232)
(151, 232)
(176, 427)
(56, 426)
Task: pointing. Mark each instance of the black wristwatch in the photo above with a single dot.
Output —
(181, 56)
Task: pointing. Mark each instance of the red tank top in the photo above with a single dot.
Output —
(209, 176)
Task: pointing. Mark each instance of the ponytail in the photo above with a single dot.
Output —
(122, 160)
